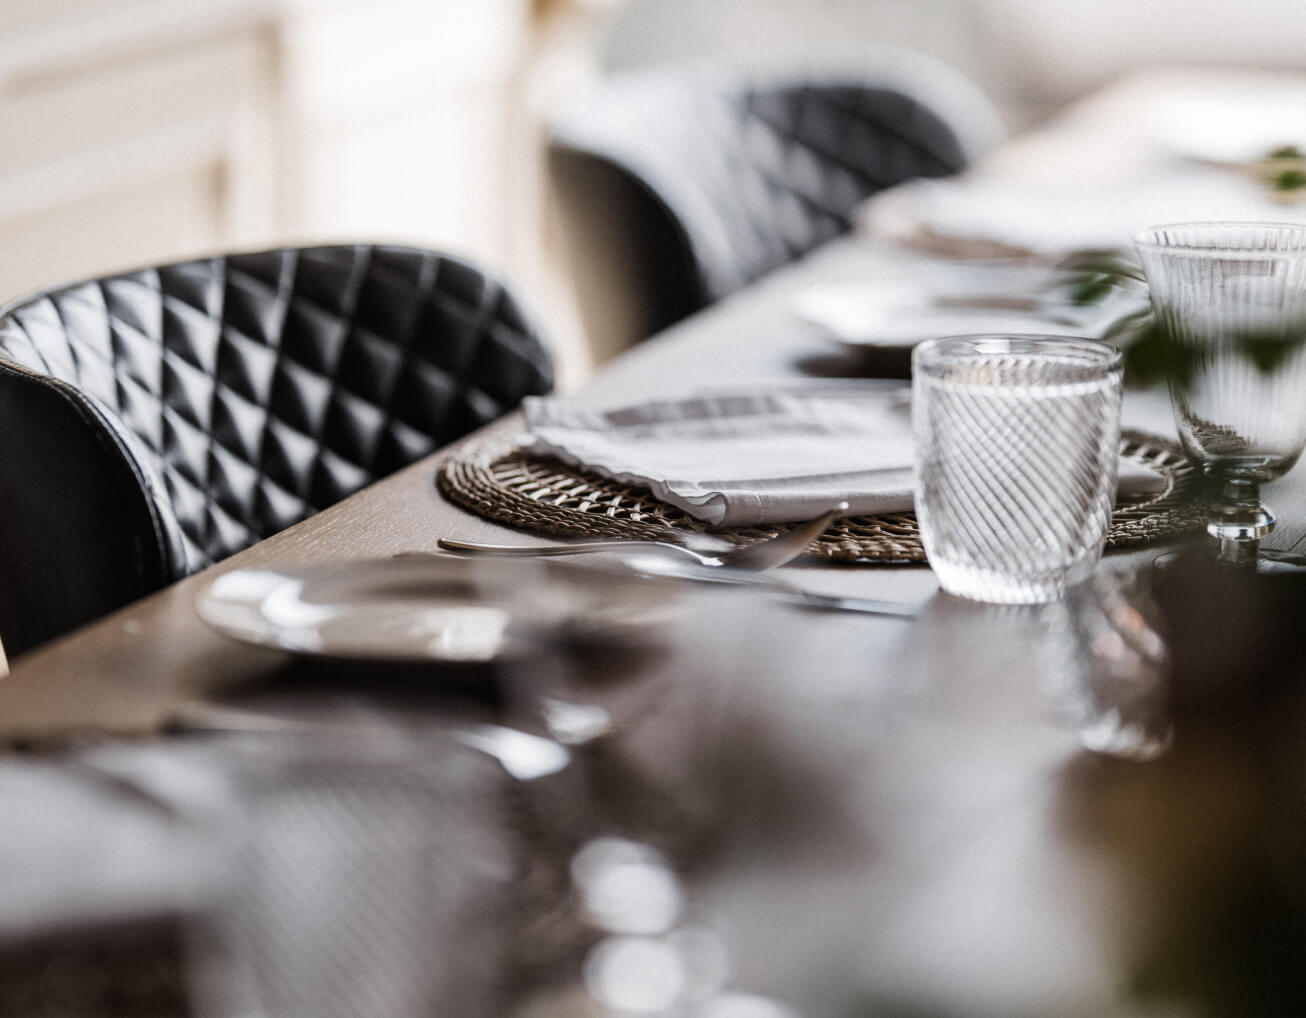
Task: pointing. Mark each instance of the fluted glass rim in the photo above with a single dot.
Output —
(1225, 239)
(1091, 353)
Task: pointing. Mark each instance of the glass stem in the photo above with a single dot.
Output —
(1239, 520)
(1239, 553)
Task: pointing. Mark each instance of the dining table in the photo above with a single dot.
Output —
(816, 812)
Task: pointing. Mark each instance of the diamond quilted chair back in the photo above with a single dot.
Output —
(695, 181)
(154, 422)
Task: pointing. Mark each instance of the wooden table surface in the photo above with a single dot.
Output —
(881, 813)
(874, 816)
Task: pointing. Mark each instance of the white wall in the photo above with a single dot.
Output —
(1029, 56)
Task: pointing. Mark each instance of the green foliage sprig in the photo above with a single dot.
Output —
(1283, 170)
(1093, 277)
(1152, 354)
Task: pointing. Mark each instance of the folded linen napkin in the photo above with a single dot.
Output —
(753, 458)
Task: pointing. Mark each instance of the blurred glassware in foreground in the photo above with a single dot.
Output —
(344, 889)
(1230, 306)
(1016, 459)
(657, 957)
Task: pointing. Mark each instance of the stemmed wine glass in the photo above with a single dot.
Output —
(1230, 307)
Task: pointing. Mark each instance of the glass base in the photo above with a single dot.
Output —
(1262, 560)
(995, 586)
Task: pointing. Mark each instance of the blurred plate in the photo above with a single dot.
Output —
(431, 607)
(865, 315)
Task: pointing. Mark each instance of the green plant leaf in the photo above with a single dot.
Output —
(1126, 327)
(1092, 289)
(1152, 355)
(1289, 180)
(1151, 359)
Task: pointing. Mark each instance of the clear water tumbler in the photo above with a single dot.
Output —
(1017, 443)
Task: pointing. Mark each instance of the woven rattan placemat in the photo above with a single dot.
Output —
(511, 485)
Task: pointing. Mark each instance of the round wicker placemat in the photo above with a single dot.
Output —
(508, 484)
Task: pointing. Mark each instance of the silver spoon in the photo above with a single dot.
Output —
(768, 554)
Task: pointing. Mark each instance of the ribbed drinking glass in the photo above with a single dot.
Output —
(1230, 305)
(1017, 442)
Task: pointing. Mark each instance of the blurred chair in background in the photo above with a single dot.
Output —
(680, 184)
(154, 422)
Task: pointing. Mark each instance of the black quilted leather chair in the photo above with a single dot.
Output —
(154, 422)
(680, 184)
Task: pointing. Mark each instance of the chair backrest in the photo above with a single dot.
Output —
(154, 422)
(700, 180)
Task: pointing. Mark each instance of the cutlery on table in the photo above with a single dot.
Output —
(841, 603)
(768, 554)
(524, 755)
(728, 565)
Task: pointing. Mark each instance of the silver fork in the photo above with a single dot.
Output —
(732, 565)
(768, 554)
